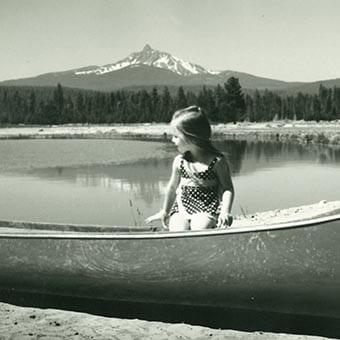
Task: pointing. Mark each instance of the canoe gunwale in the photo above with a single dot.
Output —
(143, 234)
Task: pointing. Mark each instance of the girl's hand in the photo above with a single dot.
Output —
(162, 216)
(224, 220)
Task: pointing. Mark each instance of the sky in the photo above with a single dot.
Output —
(291, 40)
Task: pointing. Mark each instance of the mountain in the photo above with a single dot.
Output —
(151, 67)
(150, 57)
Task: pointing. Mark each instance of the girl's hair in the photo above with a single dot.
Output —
(193, 123)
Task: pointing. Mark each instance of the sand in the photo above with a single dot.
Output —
(296, 131)
(287, 215)
(22, 323)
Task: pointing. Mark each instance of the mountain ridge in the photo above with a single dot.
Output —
(151, 57)
(152, 67)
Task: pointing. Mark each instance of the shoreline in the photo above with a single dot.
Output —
(326, 133)
(36, 323)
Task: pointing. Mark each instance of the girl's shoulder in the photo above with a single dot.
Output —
(179, 158)
(178, 161)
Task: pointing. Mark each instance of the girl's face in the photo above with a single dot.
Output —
(179, 140)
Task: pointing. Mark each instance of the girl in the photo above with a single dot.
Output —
(200, 192)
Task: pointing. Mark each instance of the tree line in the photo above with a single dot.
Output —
(223, 103)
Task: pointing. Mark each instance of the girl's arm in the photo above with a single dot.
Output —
(170, 195)
(227, 192)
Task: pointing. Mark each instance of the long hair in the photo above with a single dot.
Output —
(193, 123)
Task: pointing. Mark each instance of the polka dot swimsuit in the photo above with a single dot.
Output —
(198, 198)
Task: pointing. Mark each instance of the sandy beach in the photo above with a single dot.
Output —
(294, 131)
(21, 323)
(292, 214)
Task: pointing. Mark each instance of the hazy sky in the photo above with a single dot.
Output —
(281, 39)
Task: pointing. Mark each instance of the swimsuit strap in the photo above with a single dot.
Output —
(213, 162)
(210, 166)
(188, 173)
(182, 164)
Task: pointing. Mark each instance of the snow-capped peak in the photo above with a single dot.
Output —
(149, 56)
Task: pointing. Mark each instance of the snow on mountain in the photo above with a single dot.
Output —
(149, 56)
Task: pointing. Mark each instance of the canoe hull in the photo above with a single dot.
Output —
(290, 270)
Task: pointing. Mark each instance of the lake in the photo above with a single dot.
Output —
(121, 182)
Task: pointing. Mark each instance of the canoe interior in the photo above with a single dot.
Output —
(22, 228)
(58, 227)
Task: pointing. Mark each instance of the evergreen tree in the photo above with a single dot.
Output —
(31, 108)
(181, 100)
(145, 107)
(206, 100)
(17, 109)
(323, 94)
(315, 108)
(166, 106)
(257, 107)
(69, 115)
(236, 106)
(58, 103)
(210, 105)
(156, 106)
(220, 103)
(336, 101)
(249, 108)
(4, 112)
(191, 98)
(300, 107)
(79, 115)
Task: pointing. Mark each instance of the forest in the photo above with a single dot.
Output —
(223, 103)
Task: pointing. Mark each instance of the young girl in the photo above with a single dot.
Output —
(200, 192)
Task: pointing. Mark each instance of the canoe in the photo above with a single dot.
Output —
(291, 268)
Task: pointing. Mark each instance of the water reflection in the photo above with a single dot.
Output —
(248, 156)
(144, 179)
(266, 175)
(147, 178)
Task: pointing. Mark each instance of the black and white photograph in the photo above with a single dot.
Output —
(169, 169)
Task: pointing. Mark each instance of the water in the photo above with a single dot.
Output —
(113, 182)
